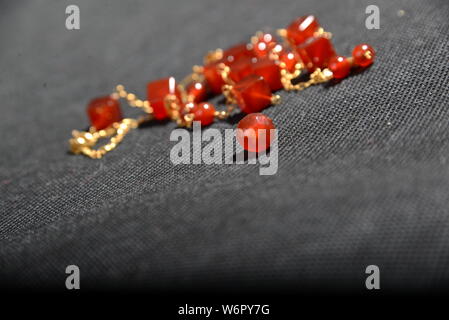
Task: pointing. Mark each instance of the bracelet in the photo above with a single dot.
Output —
(246, 74)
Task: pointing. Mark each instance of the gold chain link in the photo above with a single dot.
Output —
(132, 100)
(318, 76)
(83, 142)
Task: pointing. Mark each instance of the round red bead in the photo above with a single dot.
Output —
(340, 67)
(253, 129)
(289, 58)
(265, 42)
(197, 91)
(363, 55)
(203, 112)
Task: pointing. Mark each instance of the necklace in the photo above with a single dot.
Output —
(246, 74)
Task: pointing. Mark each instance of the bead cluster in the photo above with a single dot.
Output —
(247, 74)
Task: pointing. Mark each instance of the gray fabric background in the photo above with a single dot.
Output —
(363, 175)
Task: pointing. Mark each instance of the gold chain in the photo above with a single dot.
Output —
(83, 142)
(131, 98)
(318, 76)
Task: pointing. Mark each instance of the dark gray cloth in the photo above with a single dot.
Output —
(363, 164)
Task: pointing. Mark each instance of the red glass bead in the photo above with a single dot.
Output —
(203, 112)
(156, 93)
(230, 56)
(264, 44)
(252, 94)
(213, 77)
(269, 70)
(197, 91)
(316, 52)
(240, 69)
(340, 67)
(302, 28)
(363, 55)
(103, 112)
(252, 130)
(289, 58)
(236, 52)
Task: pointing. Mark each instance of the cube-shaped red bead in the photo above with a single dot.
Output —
(240, 69)
(213, 77)
(269, 70)
(302, 29)
(237, 52)
(230, 56)
(157, 91)
(252, 94)
(103, 112)
(316, 52)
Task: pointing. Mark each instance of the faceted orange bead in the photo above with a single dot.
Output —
(252, 94)
(103, 112)
(253, 132)
(203, 112)
(240, 69)
(316, 52)
(269, 70)
(363, 55)
(340, 67)
(302, 28)
(157, 91)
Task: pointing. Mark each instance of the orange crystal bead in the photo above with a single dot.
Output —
(252, 94)
(157, 92)
(302, 29)
(316, 52)
(103, 112)
(269, 70)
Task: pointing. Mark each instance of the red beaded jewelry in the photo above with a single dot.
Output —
(247, 74)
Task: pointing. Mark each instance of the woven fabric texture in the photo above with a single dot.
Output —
(363, 172)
